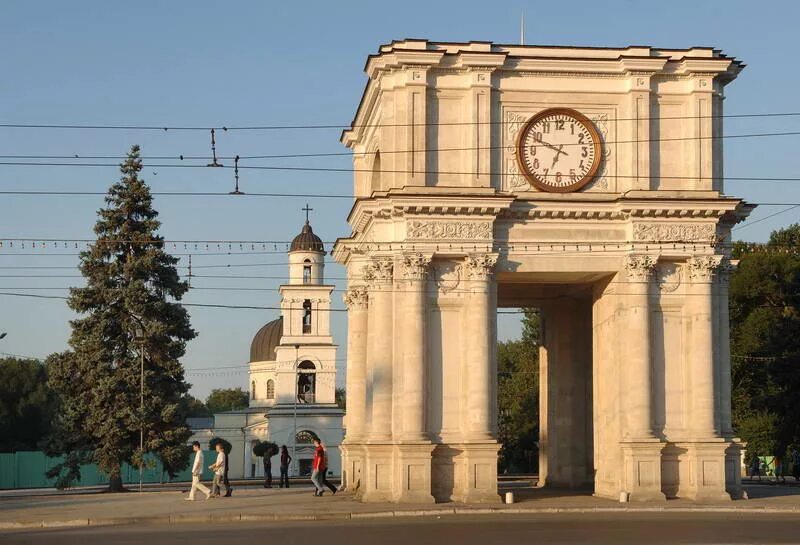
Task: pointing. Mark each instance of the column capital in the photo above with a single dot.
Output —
(726, 269)
(380, 270)
(356, 298)
(415, 266)
(480, 266)
(703, 267)
(640, 267)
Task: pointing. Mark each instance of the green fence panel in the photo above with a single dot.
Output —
(8, 470)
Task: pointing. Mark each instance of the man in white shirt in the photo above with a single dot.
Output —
(197, 471)
(218, 468)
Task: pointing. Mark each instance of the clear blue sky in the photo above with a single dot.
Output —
(246, 63)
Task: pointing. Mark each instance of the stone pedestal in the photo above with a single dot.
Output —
(642, 472)
(706, 466)
(412, 466)
(475, 472)
(352, 468)
(378, 483)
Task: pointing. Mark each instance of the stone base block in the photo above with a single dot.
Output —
(642, 470)
(412, 464)
(707, 471)
(475, 472)
(733, 472)
(352, 467)
(378, 482)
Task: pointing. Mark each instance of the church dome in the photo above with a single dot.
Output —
(266, 340)
(307, 241)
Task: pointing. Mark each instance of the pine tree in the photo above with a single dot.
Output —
(132, 285)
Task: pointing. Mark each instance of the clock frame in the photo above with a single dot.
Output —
(532, 177)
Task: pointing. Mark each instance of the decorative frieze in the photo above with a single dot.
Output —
(459, 230)
(415, 266)
(356, 298)
(639, 267)
(480, 266)
(674, 232)
(703, 267)
(379, 271)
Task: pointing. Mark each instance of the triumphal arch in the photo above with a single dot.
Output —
(586, 182)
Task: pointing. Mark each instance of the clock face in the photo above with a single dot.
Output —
(559, 150)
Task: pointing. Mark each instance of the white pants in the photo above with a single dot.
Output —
(197, 485)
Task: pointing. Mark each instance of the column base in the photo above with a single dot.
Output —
(707, 468)
(642, 470)
(377, 485)
(352, 467)
(412, 461)
(475, 472)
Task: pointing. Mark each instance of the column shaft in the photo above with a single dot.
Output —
(356, 377)
(726, 423)
(480, 340)
(414, 341)
(379, 349)
(701, 271)
(637, 371)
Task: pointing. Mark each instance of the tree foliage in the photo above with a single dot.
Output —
(341, 398)
(765, 343)
(518, 397)
(227, 399)
(131, 284)
(191, 407)
(26, 404)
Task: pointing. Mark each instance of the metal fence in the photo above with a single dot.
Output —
(27, 469)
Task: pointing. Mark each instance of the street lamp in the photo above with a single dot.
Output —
(140, 339)
(294, 435)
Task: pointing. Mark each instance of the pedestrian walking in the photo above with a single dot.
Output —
(285, 461)
(755, 467)
(268, 468)
(318, 468)
(226, 482)
(780, 470)
(197, 471)
(218, 468)
(795, 464)
(325, 480)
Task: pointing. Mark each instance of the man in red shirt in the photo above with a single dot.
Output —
(320, 469)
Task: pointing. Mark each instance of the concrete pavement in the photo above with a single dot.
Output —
(298, 504)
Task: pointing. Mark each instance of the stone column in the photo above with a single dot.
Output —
(701, 331)
(413, 449)
(725, 417)
(638, 368)
(706, 451)
(475, 470)
(380, 335)
(478, 331)
(415, 274)
(355, 299)
(640, 448)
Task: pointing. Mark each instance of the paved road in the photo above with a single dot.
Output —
(617, 529)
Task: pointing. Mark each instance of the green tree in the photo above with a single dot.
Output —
(765, 343)
(341, 398)
(131, 285)
(226, 399)
(191, 407)
(518, 397)
(26, 404)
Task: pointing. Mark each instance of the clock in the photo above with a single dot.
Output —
(559, 150)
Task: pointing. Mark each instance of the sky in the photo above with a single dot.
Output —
(200, 63)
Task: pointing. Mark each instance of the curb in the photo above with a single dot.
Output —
(187, 518)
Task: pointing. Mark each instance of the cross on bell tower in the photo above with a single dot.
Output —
(307, 210)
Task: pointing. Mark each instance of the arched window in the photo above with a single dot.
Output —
(305, 437)
(253, 390)
(307, 316)
(270, 389)
(306, 382)
(307, 271)
(375, 179)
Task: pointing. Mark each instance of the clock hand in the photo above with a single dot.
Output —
(557, 149)
(555, 159)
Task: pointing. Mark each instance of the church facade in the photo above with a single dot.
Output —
(585, 182)
(292, 375)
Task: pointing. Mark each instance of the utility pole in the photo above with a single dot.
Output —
(140, 338)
